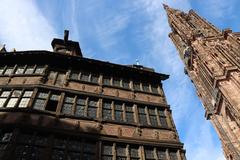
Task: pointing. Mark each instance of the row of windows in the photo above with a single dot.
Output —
(82, 106)
(113, 81)
(18, 70)
(33, 146)
(83, 76)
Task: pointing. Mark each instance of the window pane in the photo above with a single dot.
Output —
(173, 155)
(92, 112)
(107, 150)
(106, 80)
(81, 101)
(5, 93)
(125, 84)
(92, 103)
(60, 79)
(24, 102)
(19, 70)
(12, 102)
(29, 70)
(89, 148)
(39, 69)
(145, 87)
(163, 122)
(69, 99)
(9, 70)
(94, 78)
(1, 70)
(67, 108)
(28, 93)
(143, 119)
(2, 102)
(79, 110)
(116, 82)
(136, 86)
(161, 113)
(74, 75)
(84, 76)
(107, 105)
(154, 89)
(161, 155)
(107, 114)
(39, 104)
(54, 97)
(129, 117)
(42, 95)
(121, 151)
(118, 116)
(153, 120)
(149, 154)
(134, 153)
(16, 93)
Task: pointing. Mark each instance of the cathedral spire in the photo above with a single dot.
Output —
(211, 60)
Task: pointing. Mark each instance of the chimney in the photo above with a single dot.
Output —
(65, 46)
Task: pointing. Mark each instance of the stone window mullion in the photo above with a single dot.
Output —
(86, 107)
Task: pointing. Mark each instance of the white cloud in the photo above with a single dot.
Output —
(23, 27)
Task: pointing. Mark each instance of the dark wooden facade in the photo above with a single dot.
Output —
(59, 105)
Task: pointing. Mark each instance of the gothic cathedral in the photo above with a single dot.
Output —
(212, 61)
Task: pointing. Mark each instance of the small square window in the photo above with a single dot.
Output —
(24, 102)
(145, 87)
(1, 70)
(84, 76)
(94, 78)
(16, 93)
(39, 70)
(106, 80)
(8, 71)
(116, 82)
(74, 75)
(12, 102)
(136, 86)
(2, 101)
(154, 88)
(20, 70)
(5, 93)
(125, 84)
(29, 70)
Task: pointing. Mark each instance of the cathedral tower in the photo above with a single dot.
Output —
(212, 61)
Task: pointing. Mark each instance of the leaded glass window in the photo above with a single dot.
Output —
(121, 153)
(40, 100)
(136, 86)
(80, 107)
(20, 70)
(8, 71)
(116, 82)
(106, 80)
(129, 113)
(74, 75)
(92, 108)
(173, 155)
(52, 102)
(2, 70)
(142, 116)
(154, 88)
(3, 98)
(153, 117)
(163, 119)
(14, 98)
(25, 99)
(89, 151)
(84, 76)
(134, 153)
(118, 112)
(39, 70)
(125, 84)
(161, 154)
(107, 111)
(149, 154)
(145, 87)
(107, 152)
(68, 105)
(94, 78)
(29, 70)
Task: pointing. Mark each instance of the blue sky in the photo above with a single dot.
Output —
(121, 32)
